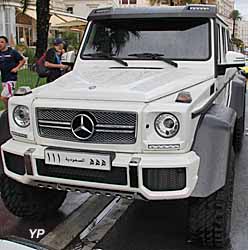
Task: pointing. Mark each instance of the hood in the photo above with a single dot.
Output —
(121, 83)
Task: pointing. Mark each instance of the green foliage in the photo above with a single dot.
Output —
(30, 53)
(235, 15)
(238, 42)
(71, 38)
(21, 48)
(26, 77)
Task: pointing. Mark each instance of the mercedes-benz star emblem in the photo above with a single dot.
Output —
(83, 127)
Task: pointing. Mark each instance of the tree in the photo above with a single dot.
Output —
(42, 22)
(239, 43)
(235, 16)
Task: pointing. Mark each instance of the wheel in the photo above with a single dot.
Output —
(210, 217)
(239, 132)
(30, 202)
(238, 135)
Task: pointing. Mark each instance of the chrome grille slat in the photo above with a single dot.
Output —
(53, 122)
(58, 127)
(114, 131)
(112, 127)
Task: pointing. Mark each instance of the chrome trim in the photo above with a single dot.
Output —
(114, 126)
(53, 122)
(58, 127)
(28, 160)
(135, 161)
(114, 131)
(63, 187)
(19, 134)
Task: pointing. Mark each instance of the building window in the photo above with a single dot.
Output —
(24, 34)
(128, 1)
(69, 9)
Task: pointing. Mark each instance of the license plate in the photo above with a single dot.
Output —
(78, 159)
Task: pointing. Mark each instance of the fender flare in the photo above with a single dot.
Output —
(238, 90)
(213, 144)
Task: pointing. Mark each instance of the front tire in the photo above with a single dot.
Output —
(239, 130)
(210, 217)
(238, 135)
(30, 202)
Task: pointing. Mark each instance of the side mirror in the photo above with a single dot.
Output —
(69, 58)
(235, 58)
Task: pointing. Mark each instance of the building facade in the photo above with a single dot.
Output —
(21, 28)
(83, 7)
(242, 31)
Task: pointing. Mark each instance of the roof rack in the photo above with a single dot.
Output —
(191, 10)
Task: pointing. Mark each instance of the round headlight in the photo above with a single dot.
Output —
(167, 125)
(21, 116)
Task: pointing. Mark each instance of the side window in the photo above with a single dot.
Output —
(229, 41)
(218, 41)
(224, 40)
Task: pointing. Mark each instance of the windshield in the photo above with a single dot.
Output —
(178, 39)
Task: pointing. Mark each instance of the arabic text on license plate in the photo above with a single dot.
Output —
(78, 159)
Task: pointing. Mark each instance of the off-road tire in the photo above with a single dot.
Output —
(239, 130)
(30, 202)
(238, 135)
(210, 217)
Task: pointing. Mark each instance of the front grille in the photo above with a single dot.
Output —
(164, 179)
(111, 127)
(117, 175)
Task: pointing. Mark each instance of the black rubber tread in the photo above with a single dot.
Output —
(238, 135)
(210, 217)
(30, 202)
(239, 129)
(4, 133)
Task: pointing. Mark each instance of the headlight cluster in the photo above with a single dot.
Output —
(21, 116)
(167, 125)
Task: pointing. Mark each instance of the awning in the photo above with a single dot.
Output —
(60, 20)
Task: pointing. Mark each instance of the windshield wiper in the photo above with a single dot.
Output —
(155, 56)
(100, 54)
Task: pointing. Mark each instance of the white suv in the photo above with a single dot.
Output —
(152, 109)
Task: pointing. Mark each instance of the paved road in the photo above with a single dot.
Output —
(11, 225)
(163, 225)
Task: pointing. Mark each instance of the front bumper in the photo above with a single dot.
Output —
(146, 175)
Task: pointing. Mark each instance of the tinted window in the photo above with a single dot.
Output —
(180, 39)
(224, 40)
(218, 38)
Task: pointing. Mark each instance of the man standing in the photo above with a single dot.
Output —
(53, 60)
(10, 62)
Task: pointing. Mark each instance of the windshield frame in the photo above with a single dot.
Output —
(91, 25)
